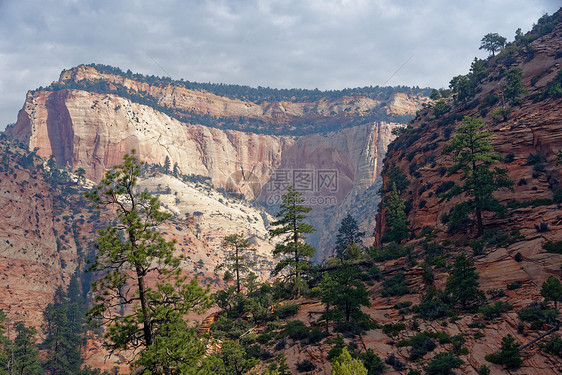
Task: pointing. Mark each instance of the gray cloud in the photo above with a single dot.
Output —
(325, 44)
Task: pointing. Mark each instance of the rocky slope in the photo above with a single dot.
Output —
(530, 128)
(92, 130)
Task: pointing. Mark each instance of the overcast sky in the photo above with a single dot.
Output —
(325, 44)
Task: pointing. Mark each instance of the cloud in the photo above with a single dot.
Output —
(325, 44)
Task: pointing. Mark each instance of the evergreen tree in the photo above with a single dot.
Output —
(292, 229)
(237, 261)
(396, 219)
(4, 346)
(551, 290)
(342, 289)
(513, 87)
(64, 321)
(152, 319)
(474, 154)
(26, 355)
(344, 364)
(462, 284)
(493, 42)
(167, 164)
(348, 234)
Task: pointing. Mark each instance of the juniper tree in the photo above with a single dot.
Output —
(151, 322)
(292, 228)
(474, 155)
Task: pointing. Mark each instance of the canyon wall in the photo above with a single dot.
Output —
(91, 130)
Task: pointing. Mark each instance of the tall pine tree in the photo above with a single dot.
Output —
(292, 228)
(473, 155)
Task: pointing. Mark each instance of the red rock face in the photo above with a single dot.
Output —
(535, 126)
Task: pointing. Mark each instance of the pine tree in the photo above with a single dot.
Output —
(462, 284)
(342, 289)
(4, 345)
(26, 355)
(236, 261)
(64, 324)
(348, 234)
(396, 219)
(167, 164)
(474, 154)
(292, 229)
(152, 322)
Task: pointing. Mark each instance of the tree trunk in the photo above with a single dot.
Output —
(146, 328)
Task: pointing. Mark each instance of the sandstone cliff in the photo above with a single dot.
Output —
(530, 129)
(93, 130)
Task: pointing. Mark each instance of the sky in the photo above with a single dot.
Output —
(324, 44)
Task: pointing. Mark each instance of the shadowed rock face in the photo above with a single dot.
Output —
(93, 131)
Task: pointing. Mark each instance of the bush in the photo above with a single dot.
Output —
(444, 186)
(393, 329)
(395, 362)
(491, 312)
(372, 362)
(305, 366)
(508, 355)
(287, 310)
(514, 285)
(296, 330)
(553, 345)
(395, 285)
(421, 344)
(443, 364)
(392, 250)
(435, 304)
(553, 247)
(538, 313)
(483, 370)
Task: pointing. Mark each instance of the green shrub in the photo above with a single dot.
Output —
(434, 305)
(491, 312)
(305, 366)
(296, 330)
(483, 370)
(514, 285)
(421, 344)
(476, 325)
(372, 362)
(287, 310)
(395, 285)
(538, 313)
(393, 329)
(508, 354)
(553, 247)
(553, 345)
(443, 364)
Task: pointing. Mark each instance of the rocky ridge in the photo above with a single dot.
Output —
(532, 127)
